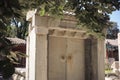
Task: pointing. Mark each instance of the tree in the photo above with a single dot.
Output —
(112, 31)
(6, 66)
(11, 31)
(8, 10)
(18, 28)
(8, 57)
(12, 12)
(92, 14)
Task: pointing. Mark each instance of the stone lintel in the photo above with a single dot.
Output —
(61, 32)
(69, 33)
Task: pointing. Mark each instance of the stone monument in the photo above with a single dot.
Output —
(57, 50)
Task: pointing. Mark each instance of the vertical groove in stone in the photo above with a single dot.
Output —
(88, 59)
(94, 63)
(48, 56)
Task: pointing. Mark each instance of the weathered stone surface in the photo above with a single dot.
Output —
(59, 51)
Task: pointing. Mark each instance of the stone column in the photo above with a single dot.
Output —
(37, 50)
(37, 69)
(31, 56)
(27, 53)
(41, 55)
(101, 64)
(27, 59)
(94, 59)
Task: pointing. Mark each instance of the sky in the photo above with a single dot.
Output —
(115, 17)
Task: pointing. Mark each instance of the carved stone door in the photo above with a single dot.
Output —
(65, 58)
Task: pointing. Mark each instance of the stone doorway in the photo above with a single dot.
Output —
(66, 58)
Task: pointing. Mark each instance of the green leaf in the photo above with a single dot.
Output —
(42, 12)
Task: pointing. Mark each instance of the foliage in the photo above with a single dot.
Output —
(8, 9)
(92, 14)
(11, 31)
(6, 67)
(19, 28)
(8, 58)
(12, 11)
(112, 31)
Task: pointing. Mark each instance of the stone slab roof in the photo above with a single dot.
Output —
(113, 42)
(17, 40)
